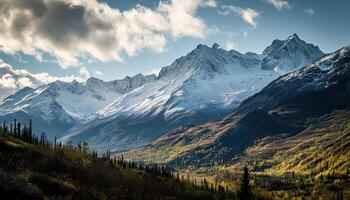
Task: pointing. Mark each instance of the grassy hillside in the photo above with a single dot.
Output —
(322, 150)
(314, 163)
(42, 170)
(186, 141)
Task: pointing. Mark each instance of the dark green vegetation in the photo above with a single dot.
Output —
(34, 168)
(245, 192)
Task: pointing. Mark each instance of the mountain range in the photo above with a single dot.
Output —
(205, 85)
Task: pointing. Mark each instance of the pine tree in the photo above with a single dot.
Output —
(245, 193)
(4, 126)
(15, 127)
(18, 129)
(30, 127)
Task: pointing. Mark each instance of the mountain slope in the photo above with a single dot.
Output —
(322, 150)
(204, 85)
(58, 106)
(287, 109)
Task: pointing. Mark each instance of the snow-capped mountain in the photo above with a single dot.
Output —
(204, 85)
(58, 106)
(289, 54)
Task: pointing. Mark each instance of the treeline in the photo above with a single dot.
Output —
(24, 133)
(75, 172)
(17, 130)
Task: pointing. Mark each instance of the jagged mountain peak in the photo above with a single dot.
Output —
(289, 54)
(331, 70)
(215, 46)
(294, 36)
(63, 84)
(330, 60)
(208, 59)
(203, 49)
(129, 83)
(201, 46)
(57, 86)
(345, 50)
(92, 80)
(139, 76)
(278, 44)
(282, 55)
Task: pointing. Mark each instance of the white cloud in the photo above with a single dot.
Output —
(84, 73)
(179, 14)
(153, 71)
(279, 4)
(309, 11)
(12, 80)
(70, 29)
(229, 45)
(248, 14)
(24, 82)
(7, 81)
(98, 73)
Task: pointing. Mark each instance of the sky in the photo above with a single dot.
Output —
(46, 40)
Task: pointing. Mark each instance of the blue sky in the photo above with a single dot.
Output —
(321, 22)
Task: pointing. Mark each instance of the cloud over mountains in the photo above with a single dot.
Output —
(12, 80)
(249, 15)
(70, 29)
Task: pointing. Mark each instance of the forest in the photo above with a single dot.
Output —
(32, 167)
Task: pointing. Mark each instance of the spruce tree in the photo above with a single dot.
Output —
(15, 127)
(18, 129)
(245, 193)
(4, 125)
